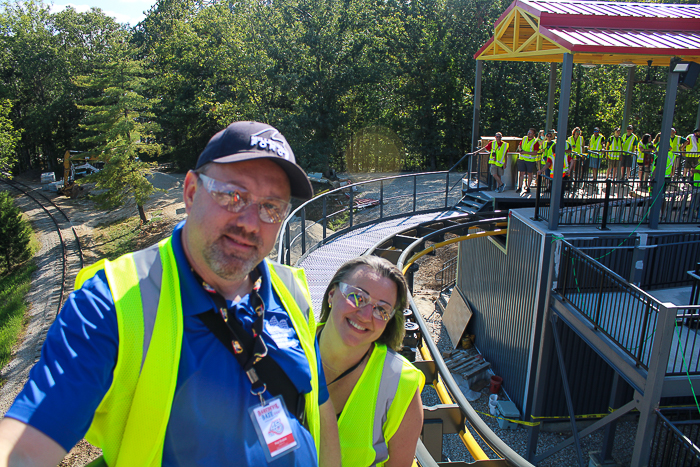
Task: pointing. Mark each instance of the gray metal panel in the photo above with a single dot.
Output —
(502, 289)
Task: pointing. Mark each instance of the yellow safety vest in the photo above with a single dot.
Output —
(640, 153)
(615, 145)
(130, 422)
(527, 145)
(596, 144)
(498, 154)
(577, 145)
(675, 144)
(670, 159)
(376, 407)
(551, 156)
(629, 142)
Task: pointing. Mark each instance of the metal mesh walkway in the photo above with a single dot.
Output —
(321, 264)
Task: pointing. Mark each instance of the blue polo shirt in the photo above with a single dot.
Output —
(209, 423)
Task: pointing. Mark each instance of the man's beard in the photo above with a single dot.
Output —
(233, 266)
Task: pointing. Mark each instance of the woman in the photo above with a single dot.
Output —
(645, 154)
(375, 391)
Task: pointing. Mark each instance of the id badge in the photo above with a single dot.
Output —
(273, 428)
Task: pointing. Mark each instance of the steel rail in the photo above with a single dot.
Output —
(18, 186)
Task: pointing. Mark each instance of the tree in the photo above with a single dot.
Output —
(8, 137)
(120, 129)
(15, 232)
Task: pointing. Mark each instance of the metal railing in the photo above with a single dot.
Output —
(626, 314)
(604, 202)
(676, 442)
(338, 211)
(447, 275)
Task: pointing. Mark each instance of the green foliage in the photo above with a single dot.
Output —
(355, 85)
(116, 238)
(8, 137)
(120, 129)
(13, 288)
(15, 233)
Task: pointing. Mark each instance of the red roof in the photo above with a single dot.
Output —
(614, 27)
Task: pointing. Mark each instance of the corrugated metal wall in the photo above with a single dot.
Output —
(502, 289)
(590, 378)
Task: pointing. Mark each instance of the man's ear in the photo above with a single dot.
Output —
(189, 190)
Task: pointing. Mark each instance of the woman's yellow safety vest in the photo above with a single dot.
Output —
(130, 422)
(498, 154)
(616, 147)
(376, 407)
(577, 144)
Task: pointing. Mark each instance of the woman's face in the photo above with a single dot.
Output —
(358, 326)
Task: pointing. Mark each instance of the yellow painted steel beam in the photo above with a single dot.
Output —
(430, 249)
(467, 438)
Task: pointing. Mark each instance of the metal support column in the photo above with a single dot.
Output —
(628, 99)
(662, 155)
(550, 97)
(567, 392)
(477, 105)
(564, 98)
(658, 362)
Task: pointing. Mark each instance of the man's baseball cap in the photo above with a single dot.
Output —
(244, 141)
(697, 130)
(596, 129)
(630, 127)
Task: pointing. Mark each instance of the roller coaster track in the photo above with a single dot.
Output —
(396, 236)
(71, 254)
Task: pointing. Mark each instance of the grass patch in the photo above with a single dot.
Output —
(13, 288)
(124, 236)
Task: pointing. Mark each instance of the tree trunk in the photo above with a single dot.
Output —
(142, 214)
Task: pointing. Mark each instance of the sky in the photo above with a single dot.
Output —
(124, 11)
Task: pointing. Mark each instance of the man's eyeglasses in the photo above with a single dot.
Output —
(234, 198)
(358, 298)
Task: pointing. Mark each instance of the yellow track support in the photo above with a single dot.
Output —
(488, 233)
(444, 395)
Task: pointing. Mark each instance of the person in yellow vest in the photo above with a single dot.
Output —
(198, 350)
(670, 160)
(497, 159)
(645, 155)
(628, 153)
(677, 144)
(614, 149)
(596, 145)
(691, 150)
(578, 158)
(550, 156)
(528, 150)
(375, 391)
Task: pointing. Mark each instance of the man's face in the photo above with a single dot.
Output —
(576, 133)
(498, 138)
(617, 132)
(629, 131)
(530, 134)
(224, 246)
(673, 132)
(596, 132)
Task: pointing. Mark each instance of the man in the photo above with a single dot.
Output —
(497, 159)
(527, 149)
(174, 355)
(691, 151)
(595, 147)
(614, 149)
(578, 161)
(629, 152)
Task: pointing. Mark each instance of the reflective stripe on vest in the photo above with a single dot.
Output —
(615, 145)
(576, 146)
(628, 142)
(596, 144)
(131, 421)
(527, 146)
(376, 407)
(498, 154)
(675, 143)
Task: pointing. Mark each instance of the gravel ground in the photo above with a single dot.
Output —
(425, 295)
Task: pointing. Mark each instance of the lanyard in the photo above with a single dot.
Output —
(246, 358)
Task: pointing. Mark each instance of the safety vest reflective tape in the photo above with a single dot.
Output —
(376, 407)
(498, 153)
(596, 144)
(528, 145)
(629, 143)
(576, 144)
(130, 422)
(615, 147)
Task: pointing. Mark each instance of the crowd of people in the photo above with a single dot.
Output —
(617, 157)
